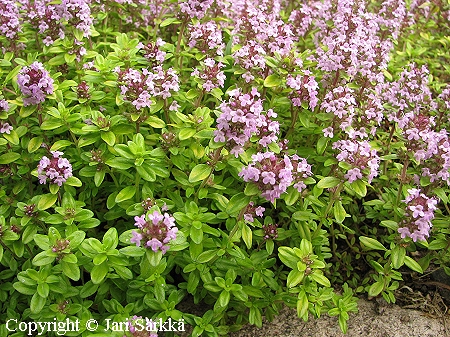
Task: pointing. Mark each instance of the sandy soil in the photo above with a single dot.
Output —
(372, 320)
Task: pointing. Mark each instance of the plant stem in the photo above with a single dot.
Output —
(137, 184)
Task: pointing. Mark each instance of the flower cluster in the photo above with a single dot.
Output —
(419, 213)
(78, 15)
(46, 18)
(210, 75)
(301, 20)
(408, 96)
(34, 83)
(353, 45)
(207, 38)
(270, 231)
(251, 211)
(195, 8)
(360, 156)
(4, 126)
(341, 102)
(153, 53)
(61, 247)
(138, 87)
(273, 173)
(155, 231)
(305, 90)
(9, 22)
(56, 170)
(83, 90)
(241, 118)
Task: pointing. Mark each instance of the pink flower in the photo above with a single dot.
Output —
(34, 83)
(155, 230)
(55, 170)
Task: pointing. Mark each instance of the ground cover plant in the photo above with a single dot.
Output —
(247, 154)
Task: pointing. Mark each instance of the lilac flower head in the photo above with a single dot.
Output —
(55, 170)
(207, 38)
(209, 75)
(46, 17)
(360, 156)
(139, 87)
(273, 174)
(418, 215)
(304, 90)
(195, 8)
(270, 231)
(242, 117)
(34, 83)
(155, 230)
(153, 53)
(9, 21)
(252, 211)
(78, 14)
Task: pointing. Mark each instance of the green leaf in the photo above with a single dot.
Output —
(99, 272)
(376, 288)
(272, 81)
(125, 194)
(132, 251)
(73, 181)
(196, 235)
(88, 289)
(224, 299)
(51, 124)
(322, 144)
(54, 188)
(251, 189)
(369, 243)
(186, 133)
(46, 201)
(317, 276)
(199, 172)
(37, 303)
(302, 304)
(247, 235)
(110, 239)
(339, 212)
(99, 176)
(294, 278)
(288, 257)
(13, 138)
(328, 182)
(60, 144)
(43, 289)
(24, 289)
(237, 203)
(255, 316)
(155, 122)
(413, 265)
(359, 187)
(109, 137)
(169, 21)
(43, 258)
(390, 224)
(119, 163)
(291, 196)
(9, 157)
(34, 144)
(146, 172)
(398, 256)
